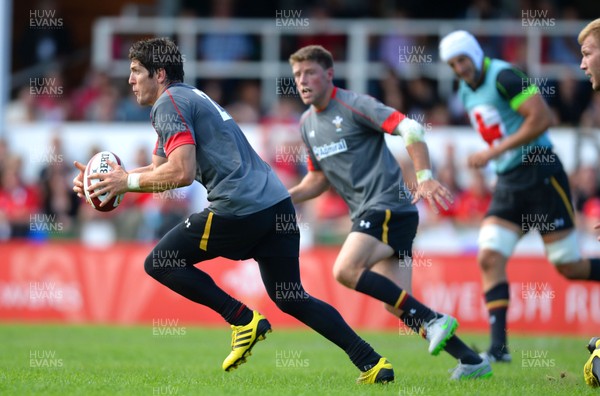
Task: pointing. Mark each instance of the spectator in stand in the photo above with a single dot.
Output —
(335, 43)
(391, 90)
(246, 108)
(590, 215)
(421, 96)
(561, 49)
(22, 108)
(473, 202)
(58, 200)
(225, 47)
(18, 201)
(481, 10)
(105, 108)
(4, 152)
(85, 96)
(392, 45)
(585, 186)
(50, 97)
(591, 115)
(128, 108)
(570, 100)
(41, 44)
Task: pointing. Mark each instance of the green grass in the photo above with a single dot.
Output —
(97, 360)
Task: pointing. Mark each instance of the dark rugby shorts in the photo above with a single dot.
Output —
(396, 229)
(272, 232)
(543, 205)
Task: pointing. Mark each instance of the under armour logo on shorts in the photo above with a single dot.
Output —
(365, 224)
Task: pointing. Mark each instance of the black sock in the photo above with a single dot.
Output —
(594, 269)
(236, 313)
(497, 299)
(198, 286)
(383, 289)
(363, 355)
(457, 349)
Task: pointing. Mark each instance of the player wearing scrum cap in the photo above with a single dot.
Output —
(532, 191)
(344, 133)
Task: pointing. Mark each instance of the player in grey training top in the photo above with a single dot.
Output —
(223, 155)
(344, 135)
(198, 140)
(351, 128)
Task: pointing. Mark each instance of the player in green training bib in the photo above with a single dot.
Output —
(532, 191)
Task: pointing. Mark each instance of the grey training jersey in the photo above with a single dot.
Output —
(345, 141)
(238, 181)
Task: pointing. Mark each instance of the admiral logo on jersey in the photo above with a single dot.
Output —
(327, 150)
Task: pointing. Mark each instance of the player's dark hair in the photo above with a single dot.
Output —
(315, 53)
(159, 53)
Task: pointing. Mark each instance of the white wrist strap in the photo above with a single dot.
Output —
(423, 175)
(133, 181)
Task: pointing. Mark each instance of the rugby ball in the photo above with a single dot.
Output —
(99, 164)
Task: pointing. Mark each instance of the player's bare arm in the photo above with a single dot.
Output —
(413, 134)
(427, 188)
(178, 170)
(538, 118)
(311, 186)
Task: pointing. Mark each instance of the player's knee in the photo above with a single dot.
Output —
(150, 267)
(490, 260)
(496, 243)
(564, 254)
(345, 275)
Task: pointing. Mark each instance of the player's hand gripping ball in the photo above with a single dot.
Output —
(99, 164)
(591, 369)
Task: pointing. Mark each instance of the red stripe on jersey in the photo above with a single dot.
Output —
(392, 122)
(387, 125)
(180, 138)
(309, 163)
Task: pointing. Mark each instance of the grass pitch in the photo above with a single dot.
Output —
(179, 360)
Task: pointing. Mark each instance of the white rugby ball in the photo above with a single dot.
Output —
(99, 164)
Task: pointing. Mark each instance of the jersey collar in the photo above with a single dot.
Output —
(333, 93)
(486, 65)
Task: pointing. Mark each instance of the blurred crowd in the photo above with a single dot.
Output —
(47, 208)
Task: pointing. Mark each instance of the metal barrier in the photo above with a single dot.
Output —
(357, 69)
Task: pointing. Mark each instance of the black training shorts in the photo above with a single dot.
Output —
(396, 229)
(272, 232)
(534, 197)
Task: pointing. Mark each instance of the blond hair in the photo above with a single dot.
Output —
(592, 28)
(315, 53)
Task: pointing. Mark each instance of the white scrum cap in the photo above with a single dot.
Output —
(461, 42)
